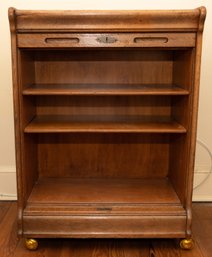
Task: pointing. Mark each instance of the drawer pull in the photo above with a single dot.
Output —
(62, 40)
(151, 39)
(106, 39)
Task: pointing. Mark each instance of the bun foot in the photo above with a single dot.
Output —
(187, 244)
(31, 244)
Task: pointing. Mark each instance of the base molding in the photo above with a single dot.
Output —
(8, 183)
(202, 185)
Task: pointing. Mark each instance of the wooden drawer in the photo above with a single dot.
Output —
(52, 40)
(97, 226)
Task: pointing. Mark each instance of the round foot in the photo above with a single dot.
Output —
(31, 244)
(187, 244)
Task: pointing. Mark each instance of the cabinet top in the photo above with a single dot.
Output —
(109, 20)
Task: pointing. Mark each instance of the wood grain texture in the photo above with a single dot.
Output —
(171, 248)
(8, 229)
(122, 155)
(112, 209)
(102, 107)
(181, 110)
(91, 226)
(104, 89)
(106, 247)
(26, 75)
(125, 21)
(4, 206)
(88, 191)
(106, 124)
(183, 73)
(105, 221)
(107, 66)
(106, 40)
(17, 120)
(152, 134)
(193, 122)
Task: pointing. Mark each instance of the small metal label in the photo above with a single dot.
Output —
(106, 39)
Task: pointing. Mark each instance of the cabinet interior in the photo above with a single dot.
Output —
(111, 124)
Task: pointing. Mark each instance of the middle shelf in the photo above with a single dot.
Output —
(103, 124)
(104, 89)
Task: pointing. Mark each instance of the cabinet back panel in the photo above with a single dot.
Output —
(103, 155)
(104, 66)
(101, 105)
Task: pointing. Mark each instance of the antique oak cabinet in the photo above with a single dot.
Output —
(105, 106)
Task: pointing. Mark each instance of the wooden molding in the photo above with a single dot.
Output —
(107, 20)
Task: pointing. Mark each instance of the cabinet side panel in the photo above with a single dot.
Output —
(178, 165)
(23, 73)
(183, 72)
(183, 67)
(192, 143)
(16, 105)
(27, 112)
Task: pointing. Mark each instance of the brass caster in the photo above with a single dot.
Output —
(187, 244)
(31, 244)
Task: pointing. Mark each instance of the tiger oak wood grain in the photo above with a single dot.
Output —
(62, 134)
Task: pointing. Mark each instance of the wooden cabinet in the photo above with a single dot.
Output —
(105, 121)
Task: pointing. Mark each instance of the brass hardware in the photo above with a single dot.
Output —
(106, 39)
(187, 244)
(151, 39)
(62, 40)
(31, 244)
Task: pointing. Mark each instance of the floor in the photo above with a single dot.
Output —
(10, 246)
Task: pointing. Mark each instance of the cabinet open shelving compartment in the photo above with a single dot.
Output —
(105, 117)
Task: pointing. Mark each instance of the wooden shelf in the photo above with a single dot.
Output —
(104, 89)
(107, 207)
(103, 191)
(106, 124)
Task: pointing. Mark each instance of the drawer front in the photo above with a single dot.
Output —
(105, 226)
(54, 40)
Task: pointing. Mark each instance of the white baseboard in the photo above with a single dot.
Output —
(202, 185)
(8, 183)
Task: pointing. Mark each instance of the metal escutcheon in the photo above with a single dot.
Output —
(106, 39)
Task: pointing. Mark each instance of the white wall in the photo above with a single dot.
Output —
(7, 159)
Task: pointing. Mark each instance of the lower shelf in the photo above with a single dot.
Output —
(81, 191)
(104, 208)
